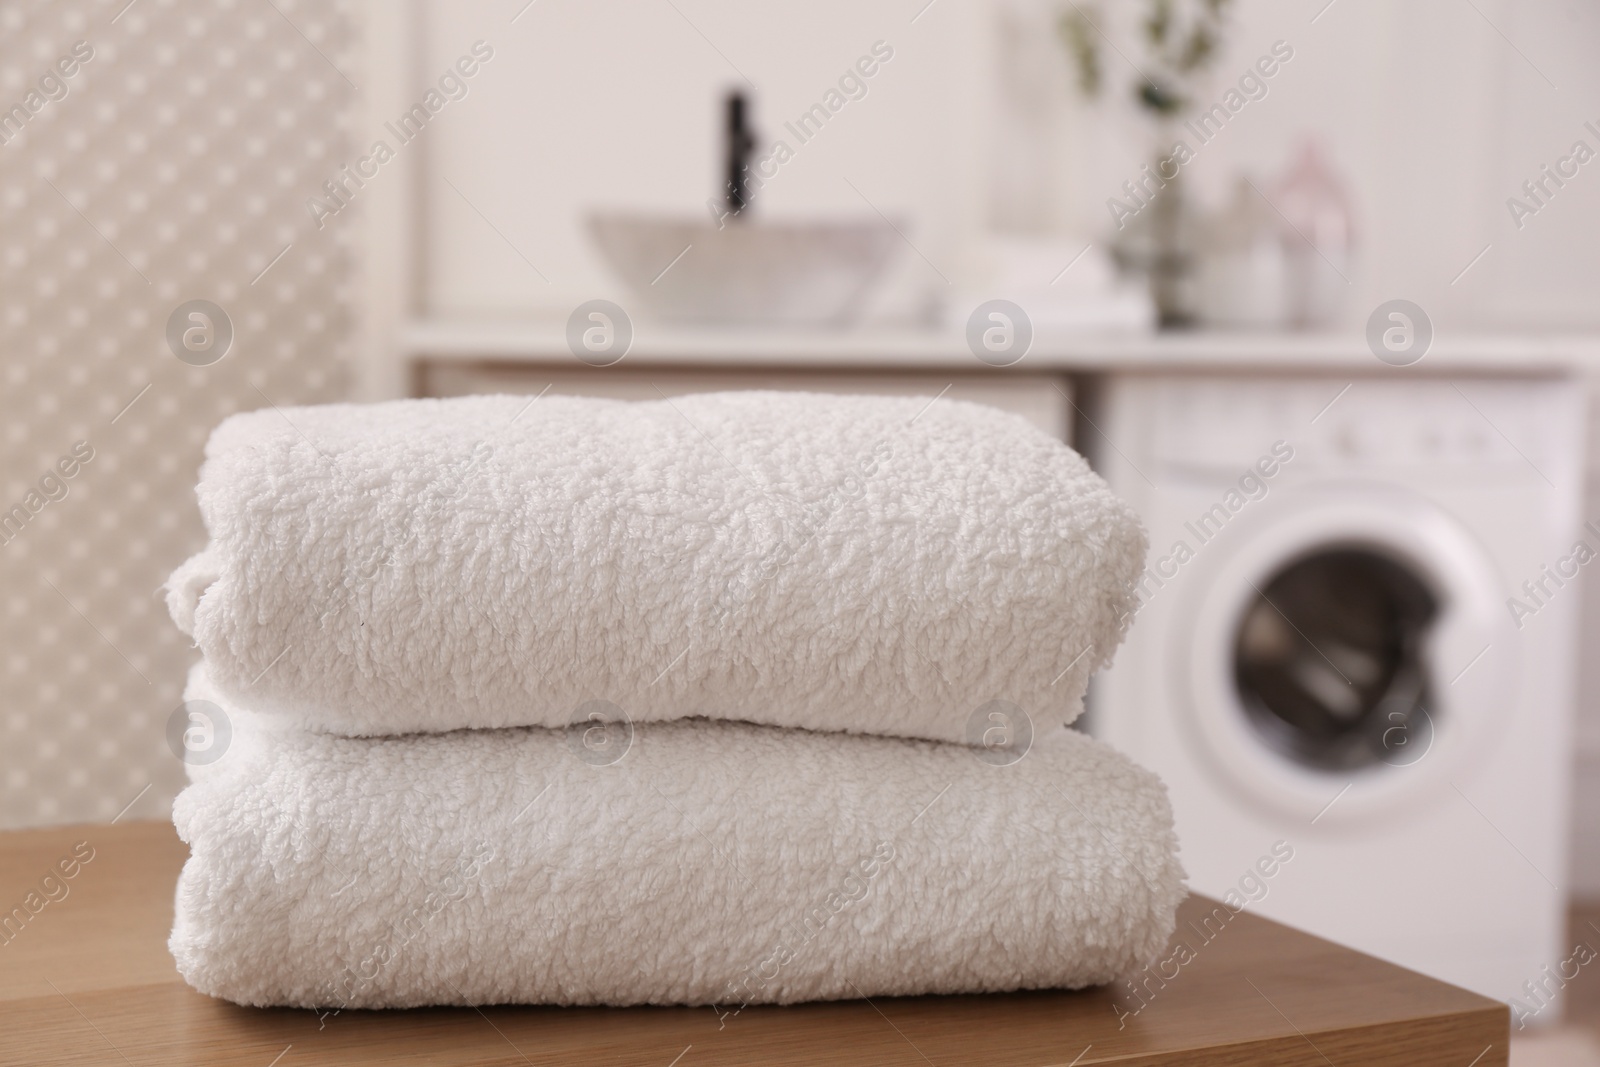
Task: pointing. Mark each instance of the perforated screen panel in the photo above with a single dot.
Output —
(154, 153)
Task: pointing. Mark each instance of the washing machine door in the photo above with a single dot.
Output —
(1345, 652)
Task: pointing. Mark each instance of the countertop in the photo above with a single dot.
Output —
(544, 341)
(85, 978)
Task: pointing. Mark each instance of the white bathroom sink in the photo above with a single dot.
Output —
(747, 272)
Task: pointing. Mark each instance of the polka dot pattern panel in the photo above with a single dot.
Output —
(156, 158)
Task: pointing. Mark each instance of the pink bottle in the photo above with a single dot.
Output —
(1313, 199)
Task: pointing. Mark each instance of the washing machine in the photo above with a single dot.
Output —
(1354, 645)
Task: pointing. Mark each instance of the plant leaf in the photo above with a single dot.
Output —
(1077, 34)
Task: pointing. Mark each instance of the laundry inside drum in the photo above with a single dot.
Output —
(1329, 661)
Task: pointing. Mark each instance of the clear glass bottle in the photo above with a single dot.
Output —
(1244, 269)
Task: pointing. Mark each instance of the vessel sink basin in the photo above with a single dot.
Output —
(747, 272)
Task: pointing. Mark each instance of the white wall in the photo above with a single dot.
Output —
(1434, 119)
(618, 106)
(1434, 110)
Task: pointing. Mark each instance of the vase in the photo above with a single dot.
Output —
(1159, 241)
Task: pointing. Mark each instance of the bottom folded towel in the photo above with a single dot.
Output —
(712, 864)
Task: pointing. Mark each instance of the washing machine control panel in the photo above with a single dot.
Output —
(1482, 428)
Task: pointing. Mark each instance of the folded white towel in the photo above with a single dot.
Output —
(870, 564)
(713, 863)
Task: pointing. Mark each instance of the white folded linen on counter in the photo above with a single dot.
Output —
(879, 565)
(693, 862)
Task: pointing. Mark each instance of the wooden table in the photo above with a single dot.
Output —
(87, 980)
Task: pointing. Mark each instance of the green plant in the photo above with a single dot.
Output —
(1180, 40)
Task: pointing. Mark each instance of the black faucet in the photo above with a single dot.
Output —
(739, 141)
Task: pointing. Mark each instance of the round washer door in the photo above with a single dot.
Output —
(1344, 651)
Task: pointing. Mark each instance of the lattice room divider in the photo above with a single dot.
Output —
(154, 153)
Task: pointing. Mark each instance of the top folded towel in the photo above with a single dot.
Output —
(878, 565)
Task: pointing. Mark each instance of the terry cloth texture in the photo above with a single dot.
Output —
(876, 565)
(714, 863)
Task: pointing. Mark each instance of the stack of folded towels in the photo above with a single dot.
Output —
(728, 699)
